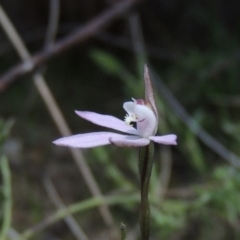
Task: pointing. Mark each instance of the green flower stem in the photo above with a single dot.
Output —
(145, 169)
(7, 200)
(123, 231)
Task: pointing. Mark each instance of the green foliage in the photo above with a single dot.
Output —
(220, 191)
(5, 127)
(169, 217)
(5, 190)
(192, 195)
(107, 62)
(224, 198)
(111, 65)
(112, 171)
(193, 148)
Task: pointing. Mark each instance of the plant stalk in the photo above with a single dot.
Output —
(145, 169)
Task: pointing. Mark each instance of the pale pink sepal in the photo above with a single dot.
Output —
(88, 140)
(149, 95)
(130, 141)
(166, 139)
(107, 121)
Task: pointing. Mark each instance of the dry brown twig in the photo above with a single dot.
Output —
(203, 135)
(69, 219)
(53, 22)
(31, 63)
(64, 44)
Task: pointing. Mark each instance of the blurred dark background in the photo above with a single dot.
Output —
(194, 46)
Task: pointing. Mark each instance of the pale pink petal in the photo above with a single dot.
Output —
(129, 107)
(107, 121)
(147, 122)
(88, 140)
(130, 141)
(166, 139)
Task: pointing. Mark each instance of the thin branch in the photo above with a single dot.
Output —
(56, 114)
(69, 219)
(77, 208)
(205, 137)
(67, 42)
(53, 23)
(54, 12)
(137, 41)
(13, 234)
(115, 40)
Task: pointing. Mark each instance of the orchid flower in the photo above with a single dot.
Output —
(142, 112)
